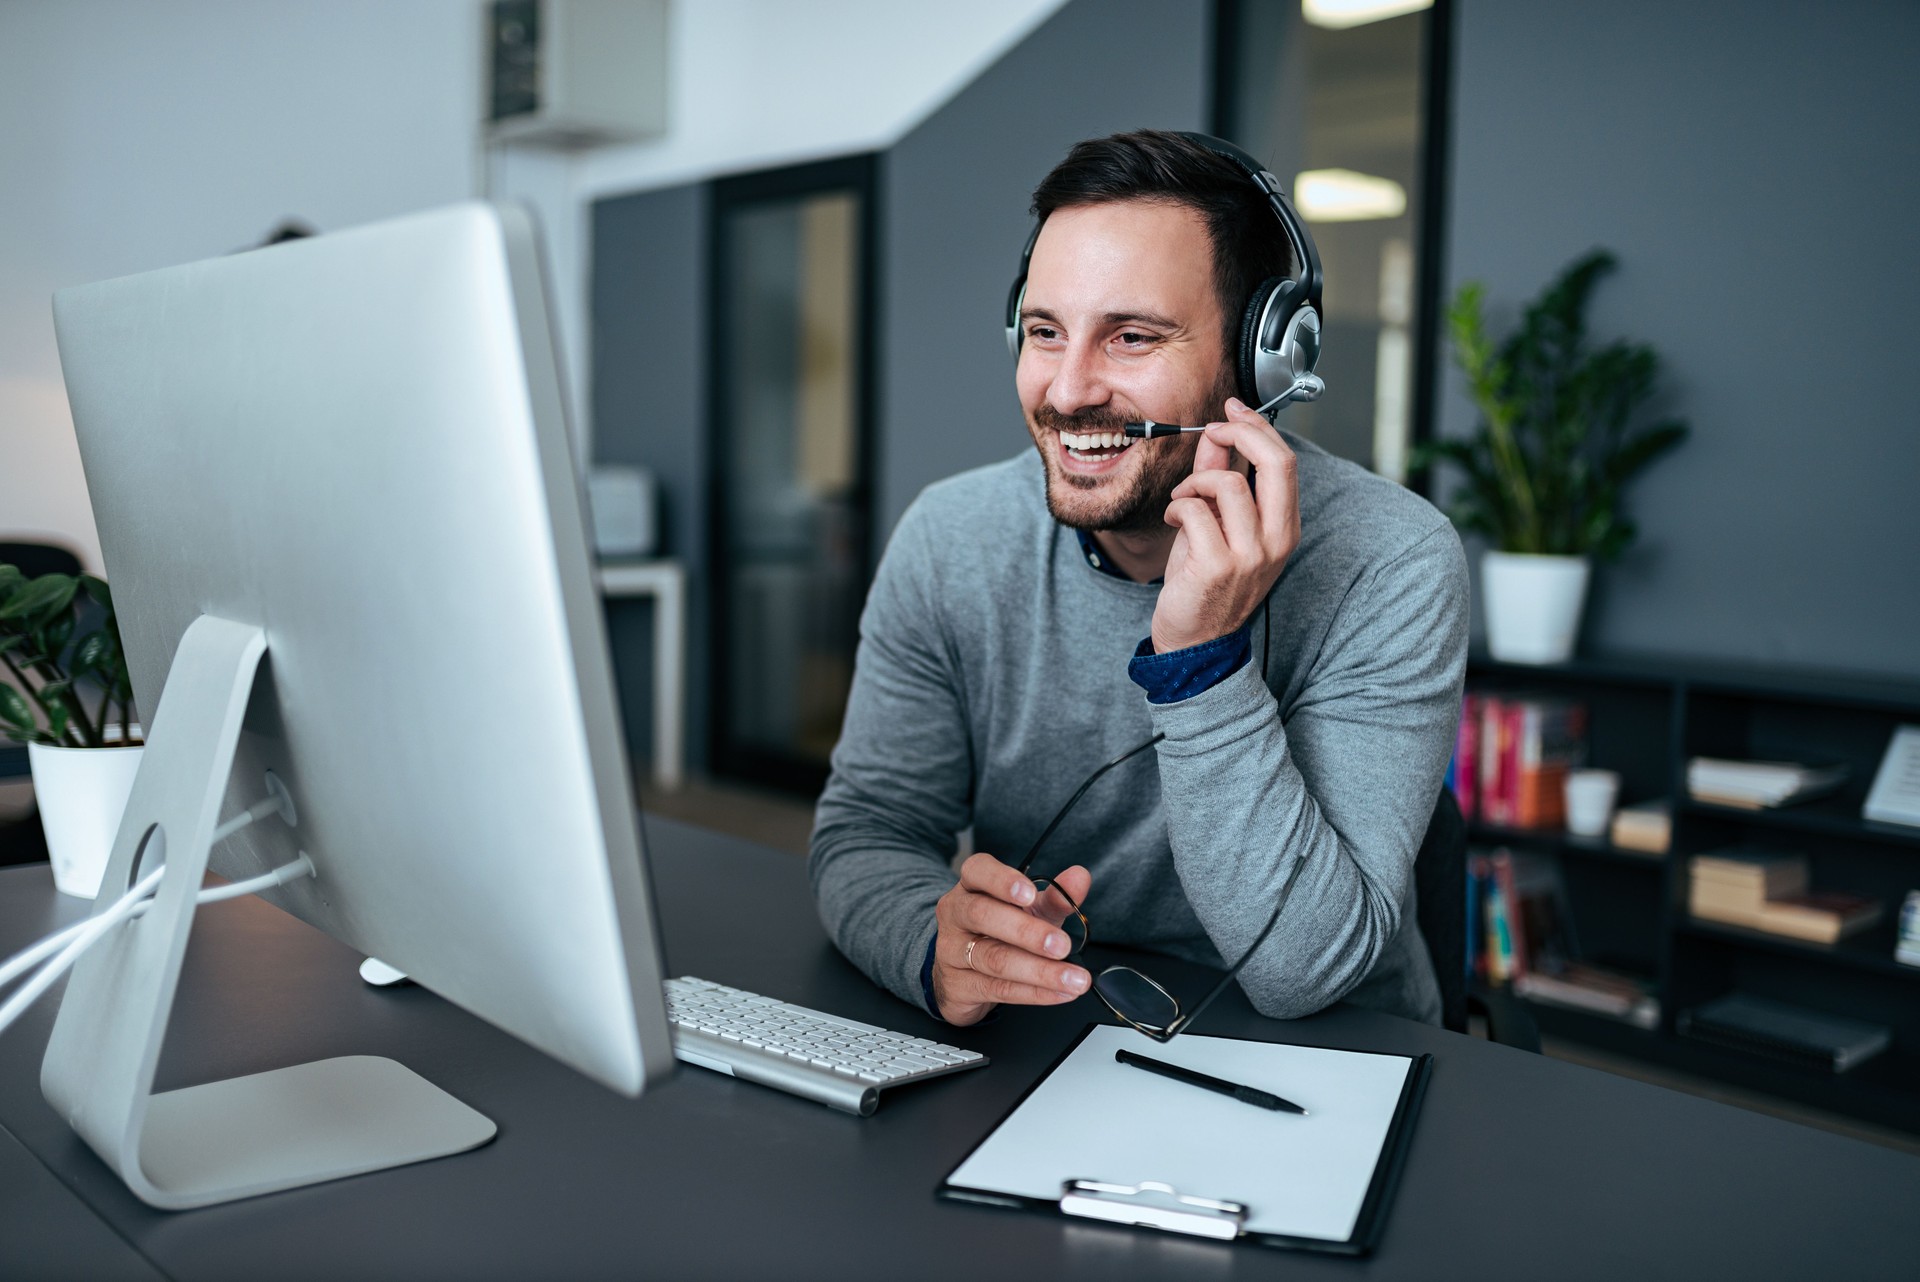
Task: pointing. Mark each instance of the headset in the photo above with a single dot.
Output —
(1279, 335)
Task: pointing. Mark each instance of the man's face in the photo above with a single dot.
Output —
(1121, 323)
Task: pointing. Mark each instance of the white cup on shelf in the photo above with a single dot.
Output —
(1590, 798)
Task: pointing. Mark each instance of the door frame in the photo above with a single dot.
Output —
(727, 196)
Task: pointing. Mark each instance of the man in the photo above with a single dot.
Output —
(1002, 657)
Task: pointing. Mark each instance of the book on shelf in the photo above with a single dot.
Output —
(1526, 939)
(1491, 942)
(1895, 795)
(1748, 877)
(1596, 989)
(1906, 947)
(1824, 918)
(1768, 892)
(1758, 785)
(1463, 772)
(1523, 906)
(1512, 757)
(1789, 1034)
(1646, 828)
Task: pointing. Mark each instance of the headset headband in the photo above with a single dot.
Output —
(1306, 258)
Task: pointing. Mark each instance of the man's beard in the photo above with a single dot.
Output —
(1139, 508)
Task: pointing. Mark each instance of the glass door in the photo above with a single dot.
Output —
(1342, 100)
(791, 362)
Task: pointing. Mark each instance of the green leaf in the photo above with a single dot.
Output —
(17, 714)
(96, 587)
(42, 597)
(54, 636)
(1636, 452)
(93, 653)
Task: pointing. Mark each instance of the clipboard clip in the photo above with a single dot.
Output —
(1151, 1204)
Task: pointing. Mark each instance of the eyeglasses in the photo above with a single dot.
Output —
(1138, 1001)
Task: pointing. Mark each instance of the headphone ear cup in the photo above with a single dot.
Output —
(1014, 295)
(1252, 323)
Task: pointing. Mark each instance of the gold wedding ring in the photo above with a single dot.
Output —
(969, 955)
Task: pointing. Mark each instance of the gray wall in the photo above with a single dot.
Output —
(650, 410)
(955, 194)
(953, 202)
(1757, 170)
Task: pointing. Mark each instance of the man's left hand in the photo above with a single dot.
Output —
(1234, 538)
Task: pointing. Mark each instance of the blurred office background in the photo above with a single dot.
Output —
(785, 303)
(783, 298)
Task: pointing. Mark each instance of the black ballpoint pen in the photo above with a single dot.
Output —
(1245, 1094)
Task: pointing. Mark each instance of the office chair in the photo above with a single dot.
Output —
(1440, 886)
(36, 559)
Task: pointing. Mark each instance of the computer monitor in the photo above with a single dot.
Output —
(343, 528)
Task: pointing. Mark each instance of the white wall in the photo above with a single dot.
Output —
(143, 133)
(757, 83)
(134, 135)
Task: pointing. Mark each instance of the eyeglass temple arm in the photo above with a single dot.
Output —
(1092, 779)
(1286, 890)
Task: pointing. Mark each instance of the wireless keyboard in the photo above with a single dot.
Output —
(841, 1063)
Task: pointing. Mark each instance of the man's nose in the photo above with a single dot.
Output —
(1078, 382)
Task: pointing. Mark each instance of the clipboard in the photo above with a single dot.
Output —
(1184, 1160)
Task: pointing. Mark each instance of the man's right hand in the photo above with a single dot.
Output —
(1017, 946)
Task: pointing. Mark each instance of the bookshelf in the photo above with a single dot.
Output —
(1646, 717)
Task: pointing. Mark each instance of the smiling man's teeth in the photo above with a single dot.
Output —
(1081, 441)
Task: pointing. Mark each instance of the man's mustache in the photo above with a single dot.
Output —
(1099, 419)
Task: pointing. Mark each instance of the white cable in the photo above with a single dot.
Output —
(22, 961)
(259, 810)
(93, 929)
(132, 904)
(72, 942)
(301, 867)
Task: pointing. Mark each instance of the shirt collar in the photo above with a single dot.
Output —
(1098, 559)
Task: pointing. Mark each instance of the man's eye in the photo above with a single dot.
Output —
(1042, 332)
(1132, 339)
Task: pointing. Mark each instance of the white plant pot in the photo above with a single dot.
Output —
(1533, 605)
(81, 792)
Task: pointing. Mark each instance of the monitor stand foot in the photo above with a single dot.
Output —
(300, 1125)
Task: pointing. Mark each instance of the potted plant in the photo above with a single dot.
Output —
(60, 647)
(1547, 464)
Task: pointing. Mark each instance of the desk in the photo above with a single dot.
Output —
(1521, 1166)
(666, 583)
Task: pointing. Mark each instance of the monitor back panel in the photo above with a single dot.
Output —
(356, 442)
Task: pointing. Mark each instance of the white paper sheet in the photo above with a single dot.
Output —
(1095, 1119)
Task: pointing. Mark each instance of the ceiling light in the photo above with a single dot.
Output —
(1338, 14)
(1343, 196)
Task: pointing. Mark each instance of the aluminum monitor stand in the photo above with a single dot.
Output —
(247, 1135)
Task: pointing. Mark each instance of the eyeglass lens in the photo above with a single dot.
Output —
(1136, 999)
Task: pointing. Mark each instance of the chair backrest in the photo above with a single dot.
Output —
(1440, 886)
(36, 559)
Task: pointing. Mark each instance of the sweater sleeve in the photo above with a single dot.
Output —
(1343, 785)
(900, 791)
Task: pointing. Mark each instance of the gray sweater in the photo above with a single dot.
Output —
(992, 678)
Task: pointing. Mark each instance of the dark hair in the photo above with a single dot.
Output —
(1249, 246)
